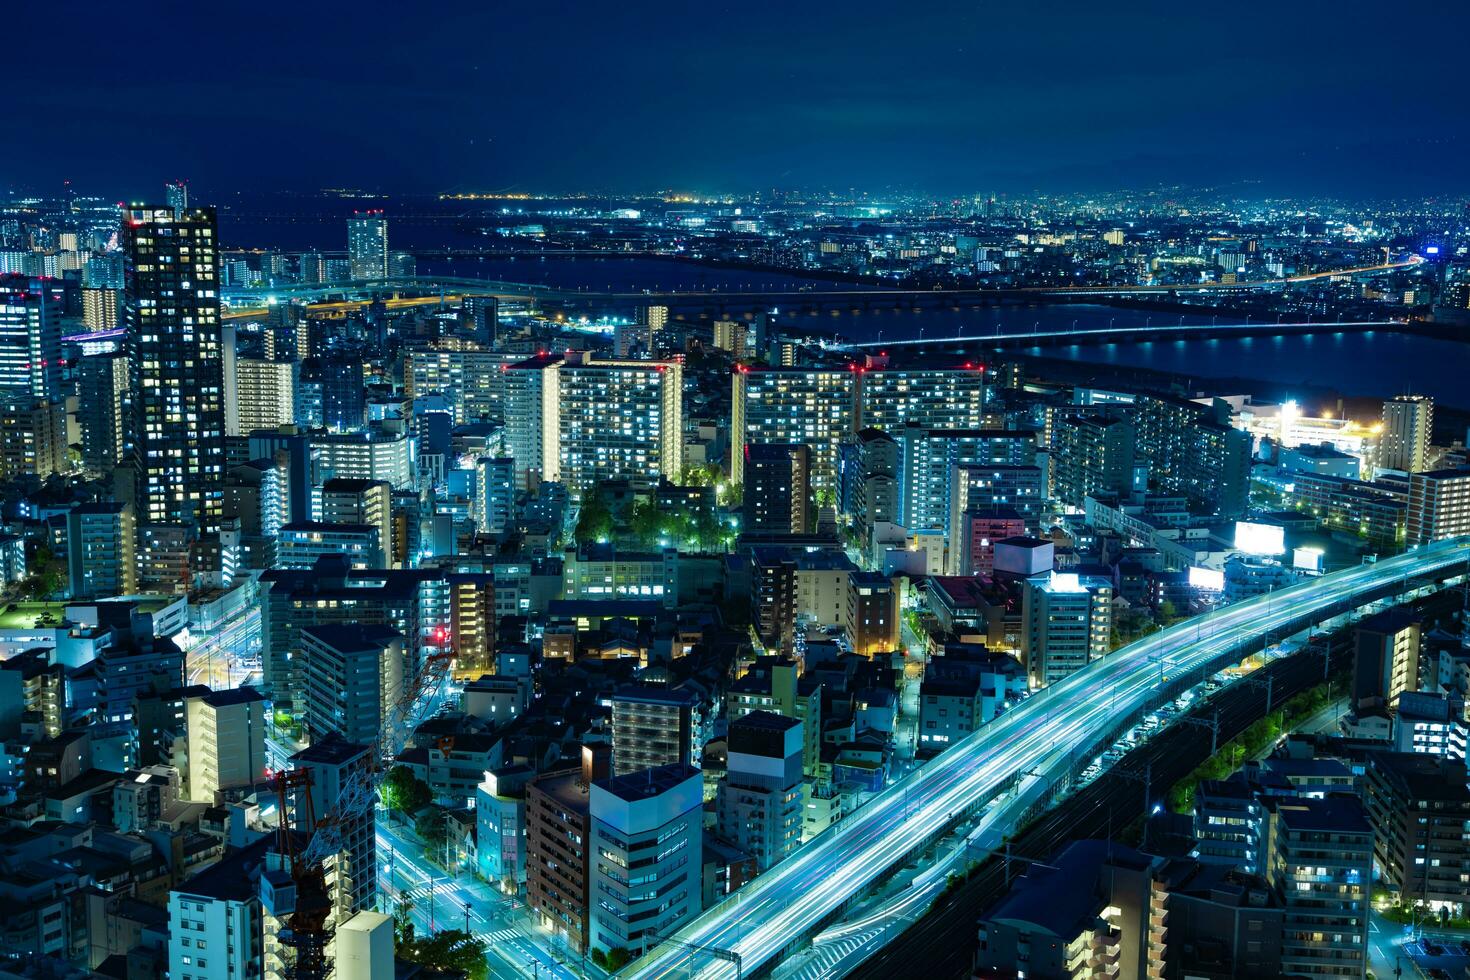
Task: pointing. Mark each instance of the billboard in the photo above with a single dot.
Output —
(1307, 559)
(1210, 579)
(1260, 539)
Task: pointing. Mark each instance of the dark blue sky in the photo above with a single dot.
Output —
(1338, 95)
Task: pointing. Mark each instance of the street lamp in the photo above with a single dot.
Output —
(467, 918)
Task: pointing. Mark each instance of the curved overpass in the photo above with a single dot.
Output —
(1039, 739)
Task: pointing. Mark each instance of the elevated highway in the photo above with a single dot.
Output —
(1030, 747)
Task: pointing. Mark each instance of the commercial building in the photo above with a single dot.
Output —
(1069, 624)
(759, 803)
(174, 349)
(646, 836)
(1408, 423)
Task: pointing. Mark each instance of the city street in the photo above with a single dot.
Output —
(515, 945)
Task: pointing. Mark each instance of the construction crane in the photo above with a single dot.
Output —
(313, 840)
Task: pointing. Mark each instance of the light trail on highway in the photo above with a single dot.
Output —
(1044, 734)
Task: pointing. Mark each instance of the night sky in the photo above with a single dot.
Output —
(1298, 95)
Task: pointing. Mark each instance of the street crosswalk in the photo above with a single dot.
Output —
(498, 936)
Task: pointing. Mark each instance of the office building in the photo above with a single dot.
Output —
(226, 732)
(1321, 866)
(1408, 424)
(777, 488)
(354, 677)
(651, 822)
(655, 725)
(580, 420)
(500, 826)
(759, 803)
(174, 348)
(1439, 506)
(101, 550)
(1069, 624)
(367, 245)
(813, 406)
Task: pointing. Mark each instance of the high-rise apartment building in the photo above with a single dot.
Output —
(367, 245)
(1069, 624)
(103, 411)
(1091, 454)
(558, 843)
(226, 732)
(930, 398)
(1439, 506)
(174, 348)
(101, 550)
(814, 406)
(1408, 422)
(1321, 865)
(354, 677)
(261, 395)
(580, 420)
(1385, 658)
(335, 766)
(352, 500)
(777, 488)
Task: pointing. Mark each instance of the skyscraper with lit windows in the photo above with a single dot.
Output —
(174, 353)
(367, 245)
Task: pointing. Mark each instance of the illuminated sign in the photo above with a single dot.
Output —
(1307, 559)
(1206, 578)
(1260, 539)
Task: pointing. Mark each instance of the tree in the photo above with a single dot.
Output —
(401, 790)
(452, 949)
(594, 518)
(617, 958)
(433, 826)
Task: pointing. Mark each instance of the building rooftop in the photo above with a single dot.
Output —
(353, 636)
(332, 750)
(1339, 813)
(233, 878)
(231, 696)
(648, 783)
